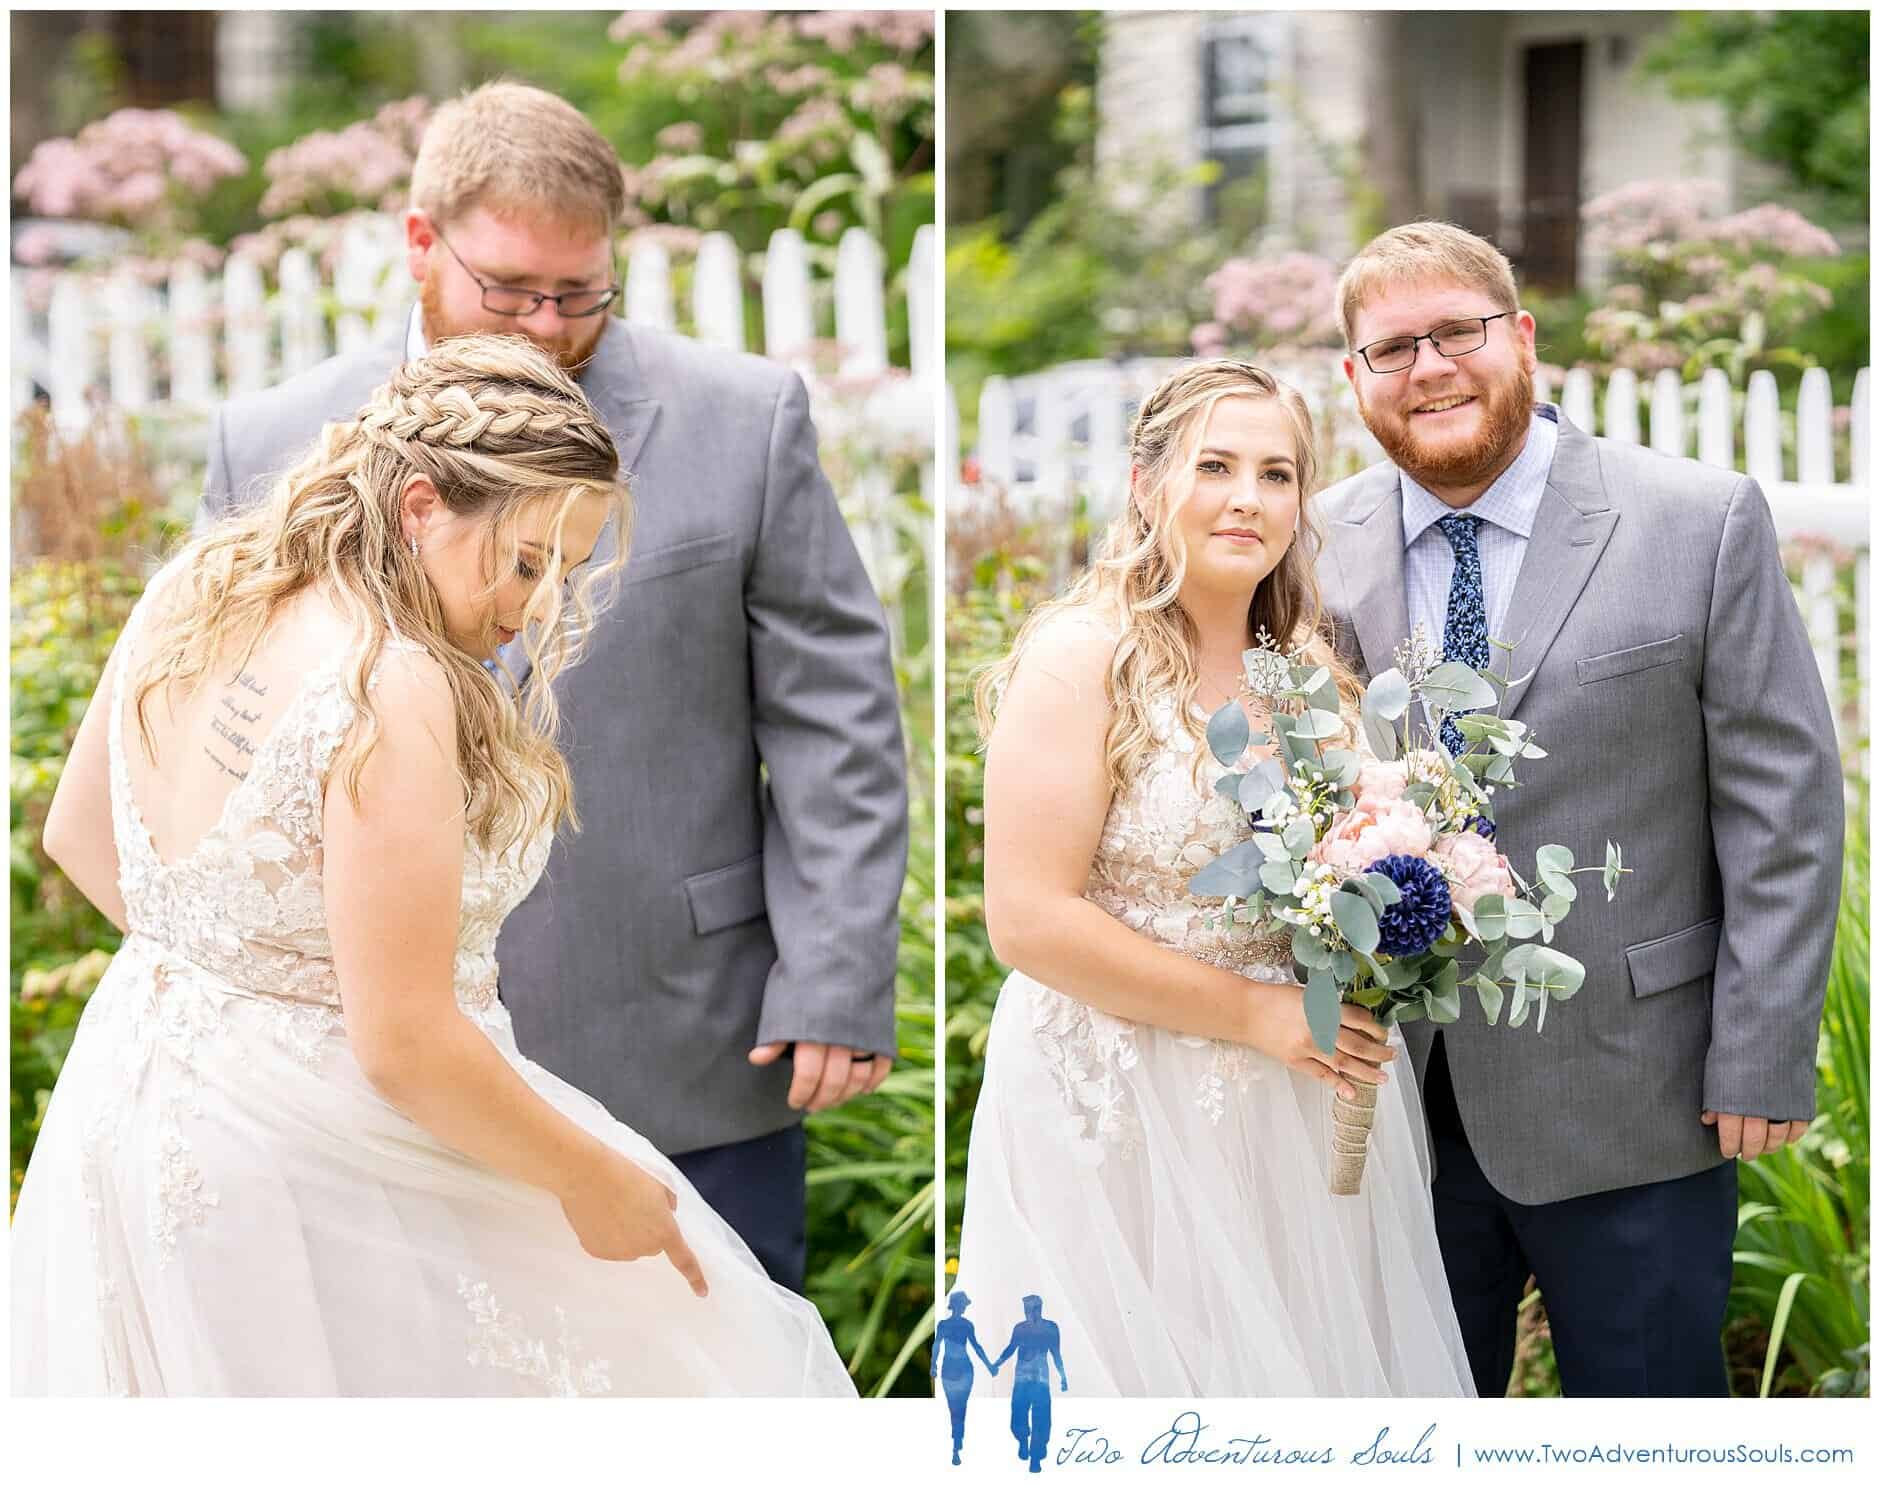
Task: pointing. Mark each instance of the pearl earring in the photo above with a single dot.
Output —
(413, 541)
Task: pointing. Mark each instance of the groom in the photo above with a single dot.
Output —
(1661, 660)
(713, 954)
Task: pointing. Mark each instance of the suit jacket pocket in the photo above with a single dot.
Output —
(1664, 963)
(1627, 661)
(686, 554)
(723, 898)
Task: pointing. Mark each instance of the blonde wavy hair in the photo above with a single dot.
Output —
(1133, 583)
(495, 426)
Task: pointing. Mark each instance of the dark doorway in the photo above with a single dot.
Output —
(1554, 80)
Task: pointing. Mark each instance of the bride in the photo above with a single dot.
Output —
(294, 1149)
(1151, 1145)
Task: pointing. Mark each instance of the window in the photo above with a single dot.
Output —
(1243, 120)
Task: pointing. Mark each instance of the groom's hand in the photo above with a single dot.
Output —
(827, 1073)
(1750, 1136)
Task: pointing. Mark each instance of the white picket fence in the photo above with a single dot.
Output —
(1046, 438)
(182, 348)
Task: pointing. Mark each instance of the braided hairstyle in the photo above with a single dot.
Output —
(495, 426)
(1133, 583)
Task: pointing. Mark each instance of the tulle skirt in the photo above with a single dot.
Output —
(1167, 1198)
(219, 1203)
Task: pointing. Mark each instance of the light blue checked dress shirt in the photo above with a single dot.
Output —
(1507, 511)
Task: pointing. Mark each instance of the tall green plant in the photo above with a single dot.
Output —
(1803, 1248)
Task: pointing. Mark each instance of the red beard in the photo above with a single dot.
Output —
(1506, 411)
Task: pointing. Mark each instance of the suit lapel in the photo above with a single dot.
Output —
(1571, 527)
(1370, 557)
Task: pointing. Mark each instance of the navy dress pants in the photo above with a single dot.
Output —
(1635, 1280)
(757, 1187)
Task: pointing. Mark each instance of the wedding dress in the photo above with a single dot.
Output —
(1167, 1196)
(220, 1203)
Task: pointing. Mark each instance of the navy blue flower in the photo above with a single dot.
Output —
(1422, 909)
(1483, 826)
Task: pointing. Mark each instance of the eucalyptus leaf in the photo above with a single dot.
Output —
(1555, 906)
(1299, 837)
(1533, 751)
(1319, 677)
(1229, 786)
(1524, 918)
(1356, 920)
(1382, 888)
(1380, 735)
(1610, 875)
(1560, 973)
(1316, 722)
(1388, 696)
(1229, 732)
(1324, 696)
(1344, 967)
(1278, 879)
(1322, 1011)
(1273, 847)
(1483, 725)
(1554, 858)
(1261, 781)
(1489, 993)
(1309, 952)
(1517, 1001)
(1491, 918)
(1342, 766)
(1236, 872)
(1455, 687)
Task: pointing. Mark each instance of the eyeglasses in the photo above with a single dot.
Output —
(579, 304)
(1456, 338)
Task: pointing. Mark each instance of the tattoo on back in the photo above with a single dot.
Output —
(238, 712)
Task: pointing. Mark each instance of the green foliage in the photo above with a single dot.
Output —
(66, 617)
(1115, 264)
(981, 623)
(872, 1182)
(1795, 87)
(1803, 1226)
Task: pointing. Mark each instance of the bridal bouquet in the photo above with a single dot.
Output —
(1383, 867)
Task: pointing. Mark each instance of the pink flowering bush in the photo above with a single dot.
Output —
(1275, 303)
(366, 165)
(1694, 287)
(816, 120)
(142, 169)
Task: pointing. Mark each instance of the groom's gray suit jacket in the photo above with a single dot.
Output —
(1683, 715)
(734, 735)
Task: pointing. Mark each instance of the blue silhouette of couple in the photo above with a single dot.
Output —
(1034, 1340)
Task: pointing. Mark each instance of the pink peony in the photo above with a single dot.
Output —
(1373, 829)
(1473, 868)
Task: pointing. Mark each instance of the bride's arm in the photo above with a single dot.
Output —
(1047, 793)
(393, 884)
(78, 835)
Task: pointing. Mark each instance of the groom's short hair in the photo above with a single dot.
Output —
(517, 150)
(1428, 251)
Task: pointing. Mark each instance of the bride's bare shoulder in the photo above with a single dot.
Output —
(1073, 646)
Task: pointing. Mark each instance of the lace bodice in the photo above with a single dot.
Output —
(247, 903)
(1163, 830)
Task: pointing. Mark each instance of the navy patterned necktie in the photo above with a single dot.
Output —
(1465, 627)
